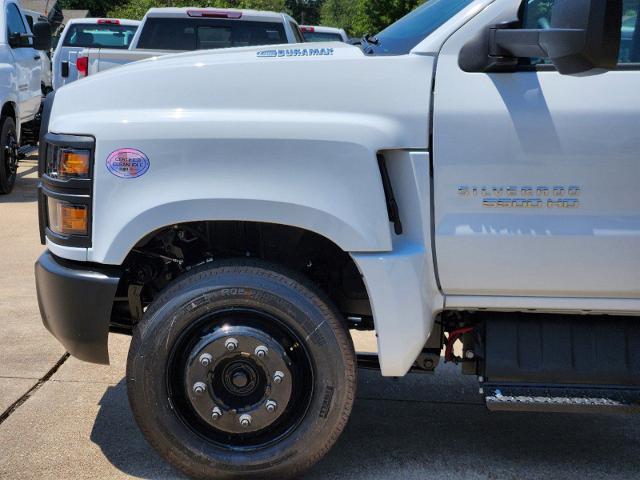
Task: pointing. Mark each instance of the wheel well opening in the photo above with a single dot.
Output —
(167, 253)
(8, 110)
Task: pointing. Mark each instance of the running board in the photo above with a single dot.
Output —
(561, 400)
(26, 150)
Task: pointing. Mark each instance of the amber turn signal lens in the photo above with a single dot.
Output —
(66, 218)
(73, 163)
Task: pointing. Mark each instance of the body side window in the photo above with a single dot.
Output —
(15, 24)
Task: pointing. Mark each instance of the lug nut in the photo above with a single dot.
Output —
(231, 344)
(245, 420)
(271, 406)
(205, 359)
(262, 351)
(199, 388)
(216, 414)
(278, 377)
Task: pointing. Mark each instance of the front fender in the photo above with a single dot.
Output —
(330, 188)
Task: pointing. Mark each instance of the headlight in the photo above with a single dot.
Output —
(66, 218)
(66, 189)
(66, 163)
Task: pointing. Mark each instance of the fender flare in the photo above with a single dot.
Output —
(324, 223)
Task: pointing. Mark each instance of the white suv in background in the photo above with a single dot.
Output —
(83, 33)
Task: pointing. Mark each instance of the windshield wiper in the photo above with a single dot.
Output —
(371, 38)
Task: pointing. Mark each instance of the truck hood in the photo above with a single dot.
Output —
(308, 84)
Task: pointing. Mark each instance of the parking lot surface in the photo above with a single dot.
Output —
(61, 418)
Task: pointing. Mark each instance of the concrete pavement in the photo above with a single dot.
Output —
(77, 423)
(27, 351)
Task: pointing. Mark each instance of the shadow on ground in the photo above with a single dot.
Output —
(409, 429)
(25, 189)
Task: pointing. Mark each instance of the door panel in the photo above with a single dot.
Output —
(537, 178)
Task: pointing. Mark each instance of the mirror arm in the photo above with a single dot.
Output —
(515, 43)
(534, 43)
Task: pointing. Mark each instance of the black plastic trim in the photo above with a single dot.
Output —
(530, 348)
(392, 206)
(47, 105)
(75, 301)
(547, 67)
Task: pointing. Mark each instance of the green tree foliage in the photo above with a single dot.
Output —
(358, 17)
(343, 14)
(307, 12)
(136, 9)
(97, 8)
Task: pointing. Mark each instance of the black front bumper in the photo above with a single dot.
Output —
(75, 304)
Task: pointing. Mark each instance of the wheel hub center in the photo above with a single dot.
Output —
(247, 378)
(240, 379)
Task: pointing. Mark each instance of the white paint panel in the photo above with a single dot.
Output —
(243, 142)
(536, 129)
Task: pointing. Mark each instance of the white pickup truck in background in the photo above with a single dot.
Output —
(21, 49)
(171, 30)
(46, 77)
(83, 33)
(316, 33)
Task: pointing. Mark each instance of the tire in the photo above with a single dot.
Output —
(246, 301)
(8, 148)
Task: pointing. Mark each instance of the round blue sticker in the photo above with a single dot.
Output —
(127, 163)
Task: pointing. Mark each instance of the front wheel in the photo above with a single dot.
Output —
(8, 155)
(241, 370)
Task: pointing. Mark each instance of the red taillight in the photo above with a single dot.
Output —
(108, 21)
(214, 14)
(82, 64)
(307, 29)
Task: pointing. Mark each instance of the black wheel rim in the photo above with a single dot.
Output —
(11, 156)
(240, 378)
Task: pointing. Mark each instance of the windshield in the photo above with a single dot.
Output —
(321, 36)
(196, 34)
(98, 36)
(406, 33)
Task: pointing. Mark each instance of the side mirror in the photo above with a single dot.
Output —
(583, 35)
(42, 36)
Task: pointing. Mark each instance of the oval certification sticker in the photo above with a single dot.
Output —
(127, 163)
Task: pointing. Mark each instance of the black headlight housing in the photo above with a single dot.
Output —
(65, 191)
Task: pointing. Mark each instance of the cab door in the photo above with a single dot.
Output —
(27, 64)
(537, 174)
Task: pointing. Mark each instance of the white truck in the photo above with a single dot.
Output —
(81, 33)
(170, 30)
(20, 86)
(465, 178)
(315, 33)
(46, 74)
